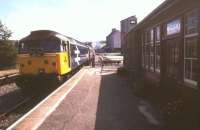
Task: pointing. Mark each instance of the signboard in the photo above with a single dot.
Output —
(174, 27)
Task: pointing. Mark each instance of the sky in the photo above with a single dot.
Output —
(84, 20)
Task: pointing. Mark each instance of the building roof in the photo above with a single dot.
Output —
(134, 16)
(157, 11)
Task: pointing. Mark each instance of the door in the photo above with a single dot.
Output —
(173, 58)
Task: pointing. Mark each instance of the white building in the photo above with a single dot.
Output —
(113, 40)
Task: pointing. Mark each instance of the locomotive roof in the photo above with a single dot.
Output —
(48, 34)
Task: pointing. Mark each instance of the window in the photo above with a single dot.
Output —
(35, 46)
(148, 49)
(157, 34)
(191, 20)
(23, 48)
(132, 22)
(157, 49)
(191, 65)
(151, 49)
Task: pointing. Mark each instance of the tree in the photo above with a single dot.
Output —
(8, 54)
(8, 51)
(5, 33)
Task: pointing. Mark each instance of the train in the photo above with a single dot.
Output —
(49, 56)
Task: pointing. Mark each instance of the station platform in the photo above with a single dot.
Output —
(93, 99)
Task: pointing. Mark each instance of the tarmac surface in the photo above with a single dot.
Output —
(102, 100)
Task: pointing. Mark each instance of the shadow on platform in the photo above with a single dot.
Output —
(117, 106)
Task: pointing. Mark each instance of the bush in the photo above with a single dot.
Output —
(8, 54)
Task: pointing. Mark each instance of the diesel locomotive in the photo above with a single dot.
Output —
(49, 55)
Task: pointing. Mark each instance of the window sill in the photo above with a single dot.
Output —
(191, 83)
(191, 35)
(157, 70)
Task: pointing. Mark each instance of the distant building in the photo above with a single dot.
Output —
(88, 43)
(113, 41)
(126, 25)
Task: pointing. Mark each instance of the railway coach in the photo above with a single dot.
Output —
(163, 49)
(48, 55)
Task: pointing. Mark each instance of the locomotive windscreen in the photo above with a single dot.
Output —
(40, 45)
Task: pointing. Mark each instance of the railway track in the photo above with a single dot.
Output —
(12, 109)
(8, 79)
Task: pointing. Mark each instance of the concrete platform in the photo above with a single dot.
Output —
(92, 100)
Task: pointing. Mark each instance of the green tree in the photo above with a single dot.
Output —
(5, 33)
(8, 51)
(8, 54)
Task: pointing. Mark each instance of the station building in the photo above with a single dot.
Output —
(126, 25)
(164, 47)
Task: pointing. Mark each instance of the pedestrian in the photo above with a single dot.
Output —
(93, 58)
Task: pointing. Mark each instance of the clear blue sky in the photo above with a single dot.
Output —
(85, 20)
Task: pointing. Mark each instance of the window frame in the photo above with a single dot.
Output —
(157, 44)
(189, 36)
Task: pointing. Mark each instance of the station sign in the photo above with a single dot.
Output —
(174, 27)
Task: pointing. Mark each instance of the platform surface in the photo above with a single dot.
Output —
(100, 100)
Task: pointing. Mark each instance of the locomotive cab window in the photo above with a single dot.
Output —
(39, 45)
(23, 48)
(64, 46)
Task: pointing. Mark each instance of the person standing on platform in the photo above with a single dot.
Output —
(93, 58)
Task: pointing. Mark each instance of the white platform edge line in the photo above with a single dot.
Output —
(23, 117)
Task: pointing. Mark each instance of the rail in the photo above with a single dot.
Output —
(8, 79)
(18, 105)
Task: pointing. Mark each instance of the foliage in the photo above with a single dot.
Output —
(8, 51)
(8, 54)
(5, 33)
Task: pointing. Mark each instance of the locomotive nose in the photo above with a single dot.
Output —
(36, 65)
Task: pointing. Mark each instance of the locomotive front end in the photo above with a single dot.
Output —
(44, 59)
